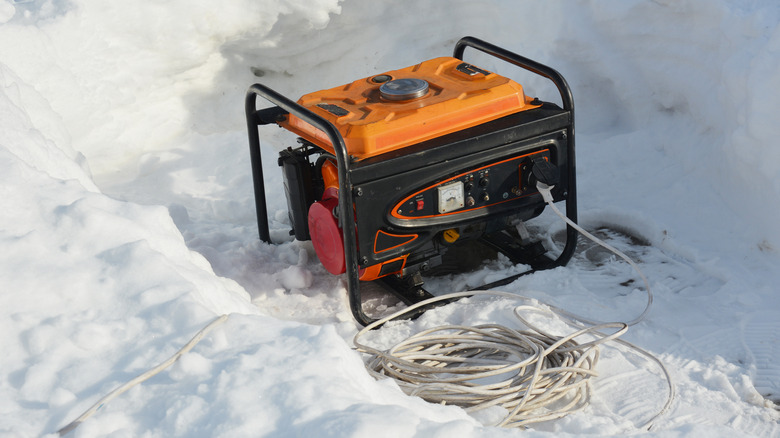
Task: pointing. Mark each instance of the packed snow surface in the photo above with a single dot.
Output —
(128, 218)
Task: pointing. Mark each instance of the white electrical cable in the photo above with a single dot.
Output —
(534, 375)
(118, 391)
(546, 192)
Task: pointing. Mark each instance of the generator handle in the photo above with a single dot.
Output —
(519, 61)
(568, 104)
(346, 202)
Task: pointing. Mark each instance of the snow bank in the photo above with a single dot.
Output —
(699, 81)
(128, 216)
(84, 277)
(122, 91)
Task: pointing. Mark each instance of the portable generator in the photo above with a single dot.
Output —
(400, 170)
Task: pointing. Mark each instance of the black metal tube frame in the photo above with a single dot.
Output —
(255, 118)
(346, 201)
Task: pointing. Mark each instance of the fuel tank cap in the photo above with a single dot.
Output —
(404, 89)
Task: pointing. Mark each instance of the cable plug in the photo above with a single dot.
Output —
(545, 191)
(545, 171)
(547, 175)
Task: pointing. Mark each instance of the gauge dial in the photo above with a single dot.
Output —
(450, 196)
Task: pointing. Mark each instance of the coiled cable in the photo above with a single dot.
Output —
(523, 371)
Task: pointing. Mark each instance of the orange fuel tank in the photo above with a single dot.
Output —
(393, 110)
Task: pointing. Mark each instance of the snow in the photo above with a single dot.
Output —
(128, 221)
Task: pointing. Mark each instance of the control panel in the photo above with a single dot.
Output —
(492, 184)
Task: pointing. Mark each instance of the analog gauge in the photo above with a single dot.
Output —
(450, 196)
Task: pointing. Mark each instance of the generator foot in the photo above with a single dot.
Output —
(409, 289)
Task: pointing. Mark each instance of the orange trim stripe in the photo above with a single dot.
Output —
(411, 237)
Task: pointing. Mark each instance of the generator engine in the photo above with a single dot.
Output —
(397, 172)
